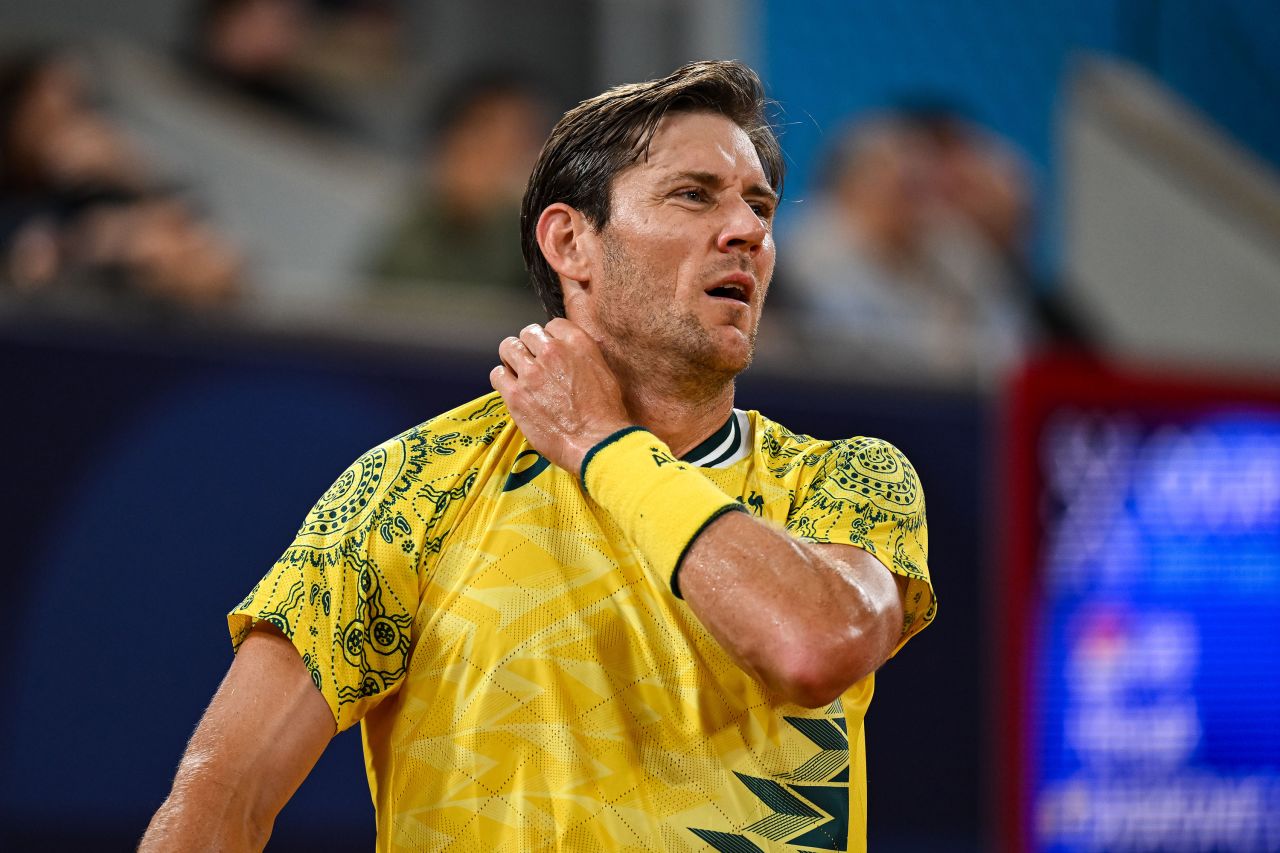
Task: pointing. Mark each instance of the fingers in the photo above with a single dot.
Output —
(515, 355)
(500, 380)
(572, 334)
(535, 338)
(519, 354)
(562, 329)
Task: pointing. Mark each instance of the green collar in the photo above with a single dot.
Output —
(723, 447)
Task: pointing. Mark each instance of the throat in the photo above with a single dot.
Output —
(682, 414)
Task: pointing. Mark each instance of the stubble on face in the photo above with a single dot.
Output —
(652, 337)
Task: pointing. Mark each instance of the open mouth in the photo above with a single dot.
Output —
(729, 291)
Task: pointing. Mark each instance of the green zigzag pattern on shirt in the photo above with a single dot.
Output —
(813, 816)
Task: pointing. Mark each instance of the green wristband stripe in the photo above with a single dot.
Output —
(675, 573)
(660, 503)
(605, 442)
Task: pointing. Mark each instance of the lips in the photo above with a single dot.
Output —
(737, 287)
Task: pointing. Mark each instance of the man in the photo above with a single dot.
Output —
(601, 609)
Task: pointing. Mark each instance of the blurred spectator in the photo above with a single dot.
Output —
(51, 136)
(463, 225)
(76, 203)
(912, 255)
(356, 42)
(256, 49)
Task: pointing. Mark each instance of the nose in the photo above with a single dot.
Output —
(743, 230)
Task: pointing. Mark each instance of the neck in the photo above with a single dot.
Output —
(682, 414)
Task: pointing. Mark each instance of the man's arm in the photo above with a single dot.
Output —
(807, 620)
(263, 732)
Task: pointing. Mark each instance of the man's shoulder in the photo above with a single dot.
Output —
(784, 450)
(457, 440)
(475, 424)
(779, 440)
(431, 466)
(450, 444)
(856, 461)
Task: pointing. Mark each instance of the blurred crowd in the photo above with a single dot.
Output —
(912, 256)
(462, 222)
(80, 209)
(908, 259)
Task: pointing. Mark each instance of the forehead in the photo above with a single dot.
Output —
(699, 142)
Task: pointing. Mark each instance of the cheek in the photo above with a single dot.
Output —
(768, 256)
(667, 243)
(673, 258)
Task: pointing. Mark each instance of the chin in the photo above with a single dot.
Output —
(735, 356)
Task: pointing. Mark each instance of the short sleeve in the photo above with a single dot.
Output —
(346, 590)
(864, 492)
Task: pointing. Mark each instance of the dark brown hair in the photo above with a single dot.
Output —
(602, 136)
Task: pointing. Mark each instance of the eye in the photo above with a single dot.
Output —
(693, 194)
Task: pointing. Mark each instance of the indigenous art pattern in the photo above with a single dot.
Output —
(525, 684)
(347, 568)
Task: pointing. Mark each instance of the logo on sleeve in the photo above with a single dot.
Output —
(529, 464)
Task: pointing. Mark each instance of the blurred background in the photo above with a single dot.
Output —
(1037, 246)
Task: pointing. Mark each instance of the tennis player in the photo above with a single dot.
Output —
(599, 608)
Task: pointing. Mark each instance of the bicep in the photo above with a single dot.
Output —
(267, 717)
(263, 732)
(884, 592)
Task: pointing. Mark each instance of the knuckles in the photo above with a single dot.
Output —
(529, 379)
(561, 328)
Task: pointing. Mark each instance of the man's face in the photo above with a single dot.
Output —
(688, 252)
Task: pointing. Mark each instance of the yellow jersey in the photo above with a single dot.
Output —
(524, 684)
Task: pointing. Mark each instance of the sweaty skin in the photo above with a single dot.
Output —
(569, 399)
(646, 342)
(261, 735)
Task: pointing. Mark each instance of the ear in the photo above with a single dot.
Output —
(568, 243)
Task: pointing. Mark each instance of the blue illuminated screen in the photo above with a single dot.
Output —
(1156, 658)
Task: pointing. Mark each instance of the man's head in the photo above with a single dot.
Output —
(603, 136)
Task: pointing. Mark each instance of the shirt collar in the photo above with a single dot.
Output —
(723, 447)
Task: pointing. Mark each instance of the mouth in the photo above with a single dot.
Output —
(736, 287)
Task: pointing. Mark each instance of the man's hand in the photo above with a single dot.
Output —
(560, 391)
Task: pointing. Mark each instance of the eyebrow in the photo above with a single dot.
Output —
(711, 179)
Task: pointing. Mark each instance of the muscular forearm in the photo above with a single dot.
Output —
(807, 620)
(204, 814)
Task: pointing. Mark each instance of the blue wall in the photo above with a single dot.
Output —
(1007, 62)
